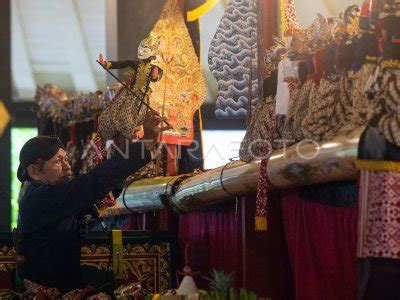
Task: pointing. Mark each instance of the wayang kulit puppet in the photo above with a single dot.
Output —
(126, 112)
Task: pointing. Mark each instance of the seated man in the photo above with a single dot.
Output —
(48, 226)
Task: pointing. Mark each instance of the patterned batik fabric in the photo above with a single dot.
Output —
(126, 111)
(258, 132)
(278, 132)
(383, 92)
(330, 110)
(40, 291)
(389, 123)
(358, 95)
(379, 215)
(293, 84)
(298, 109)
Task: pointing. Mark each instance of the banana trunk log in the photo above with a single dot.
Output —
(302, 164)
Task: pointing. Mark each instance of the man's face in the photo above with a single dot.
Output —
(56, 170)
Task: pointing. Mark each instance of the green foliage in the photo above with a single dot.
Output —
(233, 295)
(220, 288)
(243, 294)
(18, 138)
(220, 282)
(252, 296)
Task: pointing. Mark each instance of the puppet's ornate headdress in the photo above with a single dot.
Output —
(148, 47)
(352, 20)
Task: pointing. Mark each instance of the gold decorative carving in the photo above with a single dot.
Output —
(182, 89)
(147, 263)
(7, 259)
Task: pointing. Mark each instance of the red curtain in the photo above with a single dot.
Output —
(214, 242)
(321, 241)
(218, 236)
(267, 260)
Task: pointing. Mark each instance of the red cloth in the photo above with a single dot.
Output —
(379, 211)
(214, 241)
(268, 270)
(321, 241)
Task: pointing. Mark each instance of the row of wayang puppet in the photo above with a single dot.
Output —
(54, 103)
(334, 106)
(321, 111)
(338, 105)
(330, 90)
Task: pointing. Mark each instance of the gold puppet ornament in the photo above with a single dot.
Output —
(182, 90)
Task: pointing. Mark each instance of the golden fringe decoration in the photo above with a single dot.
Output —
(261, 223)
(378, 165)
(283, 18)
(391, 64)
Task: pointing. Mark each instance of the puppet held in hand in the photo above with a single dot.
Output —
(126, 111)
